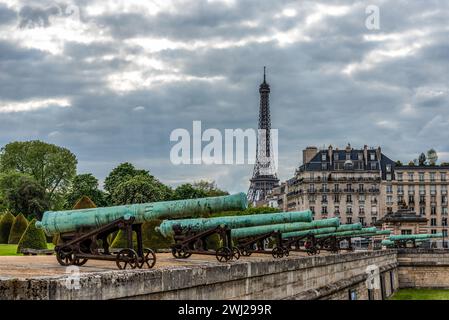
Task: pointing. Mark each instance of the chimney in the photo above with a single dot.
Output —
(365, 154)
(308, 153)
(330, 154)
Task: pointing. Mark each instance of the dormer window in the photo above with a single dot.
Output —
(323, 157)
(336, 156)
(360, 156)
(348, 156)
(372, 156)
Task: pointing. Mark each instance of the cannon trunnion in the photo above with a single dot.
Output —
(79, 246)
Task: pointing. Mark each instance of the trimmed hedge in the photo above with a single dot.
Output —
(18, 228)
(84, 203)
(5, 226)
(121, 242)
(32, 238)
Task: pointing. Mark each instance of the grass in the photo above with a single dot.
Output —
(10, 249)
(421, 294)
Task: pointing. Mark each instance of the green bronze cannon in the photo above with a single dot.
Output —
(308, 239)
(81, 230)
(253, 239)
(191, 235)
(401, 241)
(332, 241)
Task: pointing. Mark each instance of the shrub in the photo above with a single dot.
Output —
(84, 203)
(18, 228)
(153, 239)
(5, 227)
(32, 238)
(121, 242)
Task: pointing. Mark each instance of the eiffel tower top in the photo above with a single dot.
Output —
(264, 86)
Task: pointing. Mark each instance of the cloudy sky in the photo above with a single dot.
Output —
(110, 80)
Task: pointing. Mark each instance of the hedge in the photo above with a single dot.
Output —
(18, 228)
(153, 239)
(32, 238)
(5, 226)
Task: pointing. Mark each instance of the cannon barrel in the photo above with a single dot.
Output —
(352, 233)
(233, 222)
(415, 236)
(383, 232)
(71, 220)
(387, 243)
(349, 227)
(285, 227)
(308, 232)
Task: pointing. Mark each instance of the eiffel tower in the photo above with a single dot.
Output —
(264, 177)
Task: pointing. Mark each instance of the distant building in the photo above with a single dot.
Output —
(363, 185)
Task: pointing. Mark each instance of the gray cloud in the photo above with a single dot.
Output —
(395, 96)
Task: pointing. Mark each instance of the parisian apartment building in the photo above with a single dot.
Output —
(363, 185)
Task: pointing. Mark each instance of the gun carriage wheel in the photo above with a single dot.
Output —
(277, 252)
(127, 257)
(235, 253)
(65, 256)
(223, 254)
(148, 259)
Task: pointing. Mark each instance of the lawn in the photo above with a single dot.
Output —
(10, 249)
(421, 294)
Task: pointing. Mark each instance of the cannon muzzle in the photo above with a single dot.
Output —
(71, 220)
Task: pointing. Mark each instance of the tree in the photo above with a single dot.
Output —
(17, 229)
(139, 189)
(121, 173)
(432, 156)
(32, 238)
(52, 167)
(422, 159)
(23, 194)
(444, 164)
(210, 188)
(188, 191)
(398, 163)
(85, 185)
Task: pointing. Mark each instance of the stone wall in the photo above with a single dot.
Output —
(318, 277)
(423, 268)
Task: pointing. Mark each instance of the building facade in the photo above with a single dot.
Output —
(363, 185)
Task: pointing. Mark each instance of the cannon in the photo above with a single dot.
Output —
(252, 239)
(82, 230)
(307, 238)
(401, 241)
(331, 241)
(191, 235)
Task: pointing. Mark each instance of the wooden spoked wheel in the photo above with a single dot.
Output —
(127, 258)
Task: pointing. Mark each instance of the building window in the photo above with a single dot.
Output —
(323, 157)
(422, 190)
(444, 233)
(372, 156)
(422, 199)
(362, 198)
(373, 165)
(348, 210)
(324, 198)
(389, 188)
(324, 210)
(433, 189)
(406, 231)
(373, 210)
(410, 176)
(421, 177)
(411, 199)
(374, 220)
(432, 176)
(444, 211)
(433, 210)
(337, 210)
(388, 167)
(362, 220)
(349, 220)
(370, 294)
(362, 210)
(336, 198)
(361, 188)
(348, 198)
(433, 222)
(324, 166)
(389, 199)
(399, 176)
(443, 176)
(360, 156)
(312, 209)
(444, 222)
(422, 211)
(433, 231)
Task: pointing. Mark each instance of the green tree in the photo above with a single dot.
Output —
(85, 185)
(188, 191)
(32, 238)
(17, 229)
(210, 188)
(53, 167)
(23, 194)
(138, 189)
(444, 164)
(398, 163)
(122, 173)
